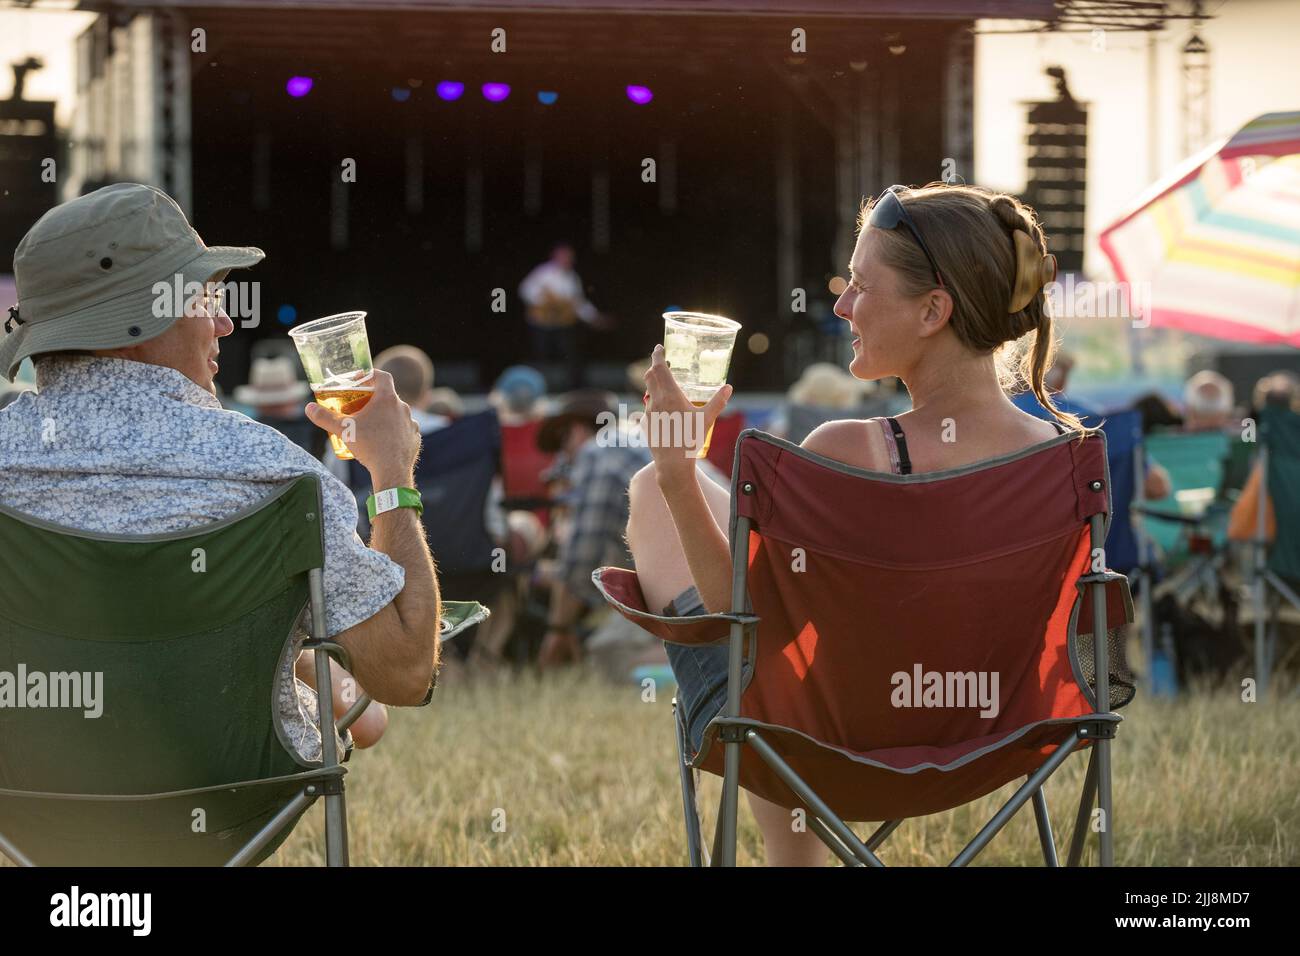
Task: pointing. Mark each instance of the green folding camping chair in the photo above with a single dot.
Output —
(1196, 463)
(1186, 532)
(139, 725)
(1275, 571)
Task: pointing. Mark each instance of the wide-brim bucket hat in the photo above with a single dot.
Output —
(108, 270)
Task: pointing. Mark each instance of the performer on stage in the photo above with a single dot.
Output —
(556, 301)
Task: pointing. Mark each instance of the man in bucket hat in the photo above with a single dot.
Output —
(124, 433)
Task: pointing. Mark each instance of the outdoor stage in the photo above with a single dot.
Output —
(763, 142)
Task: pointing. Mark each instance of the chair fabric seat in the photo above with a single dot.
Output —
(201, 827)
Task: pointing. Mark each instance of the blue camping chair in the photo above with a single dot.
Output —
(1127, 551)
(454, 477)
(1127, 473)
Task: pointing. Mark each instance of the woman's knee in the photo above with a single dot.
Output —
(645, 502)
(644, 486)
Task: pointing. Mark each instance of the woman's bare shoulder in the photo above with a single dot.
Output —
(857, 442)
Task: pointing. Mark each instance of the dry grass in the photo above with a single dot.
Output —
(576, 771)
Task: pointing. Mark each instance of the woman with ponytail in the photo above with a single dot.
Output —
(946, 284)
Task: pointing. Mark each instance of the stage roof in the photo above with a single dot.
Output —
(863, 9)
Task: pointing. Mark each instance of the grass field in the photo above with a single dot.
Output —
(572, 770)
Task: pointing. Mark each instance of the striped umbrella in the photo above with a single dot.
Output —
(1217, 243)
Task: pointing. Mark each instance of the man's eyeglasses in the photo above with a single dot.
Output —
(888, 212)
(213, 299)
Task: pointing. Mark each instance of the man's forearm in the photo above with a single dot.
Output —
(399, 534)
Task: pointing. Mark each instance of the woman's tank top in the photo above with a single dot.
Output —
(896, 442)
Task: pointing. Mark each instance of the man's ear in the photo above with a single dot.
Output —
(936, 311)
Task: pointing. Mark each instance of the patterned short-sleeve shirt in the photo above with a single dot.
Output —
(124, 447)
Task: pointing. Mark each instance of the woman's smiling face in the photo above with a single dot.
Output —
(883, 320)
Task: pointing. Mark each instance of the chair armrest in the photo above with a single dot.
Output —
(459, 616)
(1119, 601)
(622, 590)
(1171, 516)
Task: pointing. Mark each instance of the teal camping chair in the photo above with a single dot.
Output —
(141, 727)
(1275, 570)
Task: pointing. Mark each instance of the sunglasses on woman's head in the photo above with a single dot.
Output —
(888, 212)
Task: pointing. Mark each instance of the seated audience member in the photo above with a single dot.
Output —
(516, 394)
(1157, 412)
(445, 402)
(1281, 389)
(938, 288)
(142, 445)
(517, 397)
(276, 396)
(412, 372)
(596, 475)
(1207, 402)
(822, 393)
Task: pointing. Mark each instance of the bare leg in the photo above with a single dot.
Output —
(663, 572)
(784, 845)
(652, 536)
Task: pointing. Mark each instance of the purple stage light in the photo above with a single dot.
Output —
(298, 85)
(450, 90)
(496, 92)
(640, 95)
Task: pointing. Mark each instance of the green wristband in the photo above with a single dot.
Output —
(392, 498)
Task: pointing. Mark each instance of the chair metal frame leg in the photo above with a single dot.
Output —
(833, 823)
(1044, 821)
(1101, 660)
(727, 816)
(715, 854)
(16, 855)
(1086, 800)
(690, 808)
(839, 849)
(1018, 799)
(882, 833)
(336, 815)
(277, 823)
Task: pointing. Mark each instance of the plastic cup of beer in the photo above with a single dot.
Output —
(697, 348)
(335, 353)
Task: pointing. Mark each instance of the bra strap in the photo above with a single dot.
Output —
(904, 462)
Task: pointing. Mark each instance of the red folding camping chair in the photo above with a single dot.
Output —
(722, 444)
(522, 465)
(853, 590)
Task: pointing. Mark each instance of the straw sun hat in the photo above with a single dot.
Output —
(272, 381)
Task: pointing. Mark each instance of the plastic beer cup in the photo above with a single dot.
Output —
(335, 353)
(697, 348)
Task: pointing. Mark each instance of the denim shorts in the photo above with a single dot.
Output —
(701, 672)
